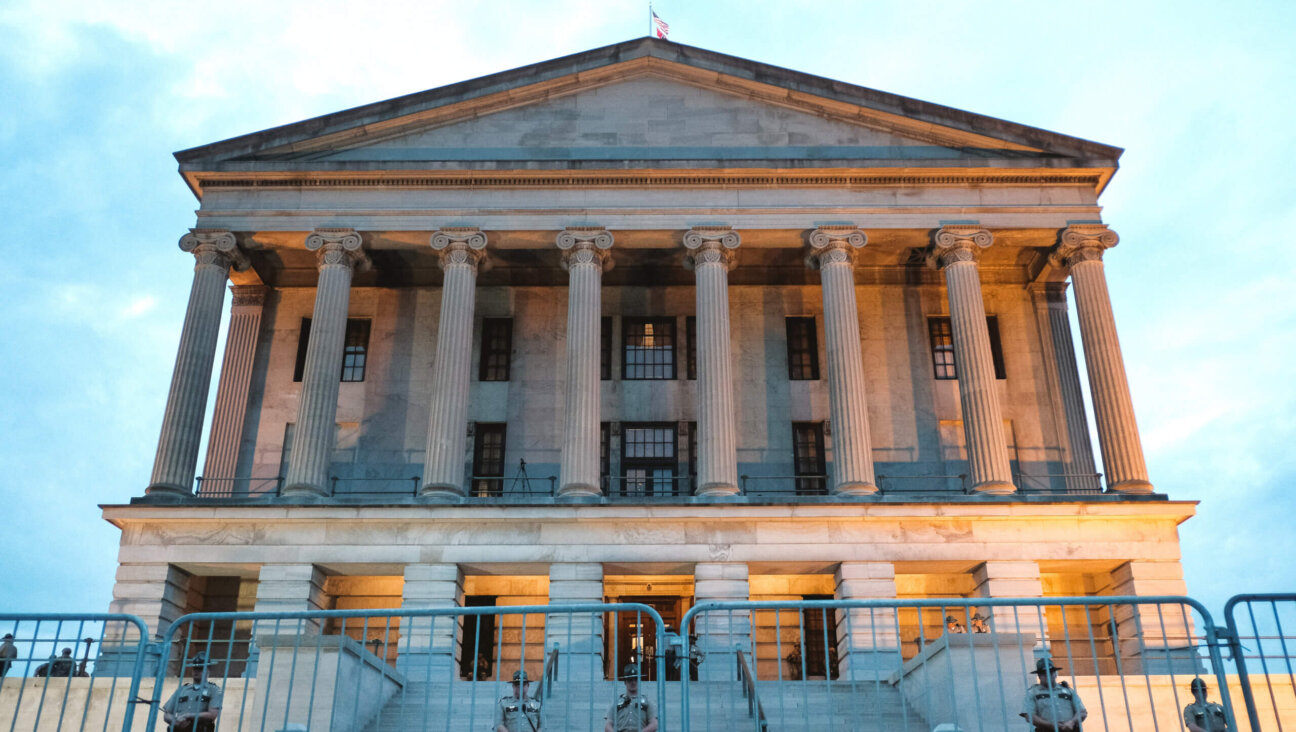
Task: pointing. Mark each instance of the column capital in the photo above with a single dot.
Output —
(459, 246)
(953, 244)
(1082, 243)
(337, 247)
(248, 295)
(585, 245)
(214, 247)
(834, 245)
(710, 245)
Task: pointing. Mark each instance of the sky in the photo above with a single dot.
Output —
(96, 97)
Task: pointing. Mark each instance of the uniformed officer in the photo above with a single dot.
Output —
(194, 707)
(1202, 715)
(632, 711)
(517, 712)
(1050, 706)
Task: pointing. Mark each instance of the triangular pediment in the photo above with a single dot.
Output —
(645, 104)
(649, 118)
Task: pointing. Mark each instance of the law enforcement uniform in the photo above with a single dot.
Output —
(1053, 702)
(1204, 714)
(631, 714)
(193, 699)
(518, 713)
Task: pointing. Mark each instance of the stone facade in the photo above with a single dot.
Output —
(838, 317)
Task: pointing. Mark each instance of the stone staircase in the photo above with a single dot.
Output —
(715, 707)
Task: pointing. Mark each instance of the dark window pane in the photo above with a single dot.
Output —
(808, 457)
(648, 459)
(496, 349)
(605, 454)
(942, 346)
(303, 338)
(690, 334)
(605, 349)
(996, 347)
(803, 349)
(488, 459)
(355, 352)
(648, 348)
(692, 456)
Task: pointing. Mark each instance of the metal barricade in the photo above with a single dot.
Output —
(431, 669)
(70, 671)
(1260, 628)
(962, 664)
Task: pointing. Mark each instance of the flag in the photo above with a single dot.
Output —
(659, 25)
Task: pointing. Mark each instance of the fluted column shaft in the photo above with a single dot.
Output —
(337, 252)
(711, 255)
(1118, 437)
(847, 396)
(177, 452)
(1052, 305)
(585, 257)
(954, 252)
(443, 471)
(232, 393)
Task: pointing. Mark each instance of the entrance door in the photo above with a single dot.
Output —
(820, 633)
(478, 651)
(636, 636)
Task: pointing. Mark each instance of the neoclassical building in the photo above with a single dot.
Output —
(645, 323)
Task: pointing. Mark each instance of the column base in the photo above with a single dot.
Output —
(855, 489)
(995, 488)
(170, 489)
(1133, 485)
(579, 491)
(716, 490)
(303, 490)
(442, 493)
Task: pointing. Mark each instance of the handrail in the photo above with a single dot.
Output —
(819, 483)
(549, 673)
(748, 681)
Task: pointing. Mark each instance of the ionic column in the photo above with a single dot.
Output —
(337, 255)
(1081, 249)
(834, 256)
(955, 253)
(710, 257)
(1060, 364)
(585, 257)
(215, 251)
(461, 250)
(232, 394)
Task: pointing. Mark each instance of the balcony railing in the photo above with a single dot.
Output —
(620, 488)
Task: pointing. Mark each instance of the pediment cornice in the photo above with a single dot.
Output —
(280, 149)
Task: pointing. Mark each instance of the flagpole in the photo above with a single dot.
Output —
(650, 17)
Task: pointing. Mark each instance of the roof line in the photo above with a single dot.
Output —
(710, 61)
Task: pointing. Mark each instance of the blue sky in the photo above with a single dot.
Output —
(98, 95)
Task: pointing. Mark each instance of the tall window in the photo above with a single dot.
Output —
(496, 349)
(648, 459)
(605, 349)
(808, 457)
(355, 351)
(648, 348)
(690, 348)
(803, 349)
(942, 346)
(605, 454)
(488, 459)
